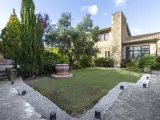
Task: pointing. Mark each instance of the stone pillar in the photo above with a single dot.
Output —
(116, 38)
(120, 31)
(12, 74)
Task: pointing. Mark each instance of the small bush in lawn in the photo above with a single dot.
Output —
(110, 62)
(104, 62)
(100, 62)
(85, 62)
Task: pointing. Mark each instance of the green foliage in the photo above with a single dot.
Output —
(50, 61)
(130, 64)
(110, 62)
(74, 42)
(104, 62)
(85, 62)
(142, 64)
(122, 64)
(100, 62)
(32, 49)
(146, 61)
(10, 38)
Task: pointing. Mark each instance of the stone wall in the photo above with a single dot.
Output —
(119, 32)
(104, 46)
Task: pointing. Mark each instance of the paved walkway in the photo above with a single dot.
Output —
(13, 107)
(137, 103)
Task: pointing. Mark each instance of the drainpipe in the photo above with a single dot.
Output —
(156, 48)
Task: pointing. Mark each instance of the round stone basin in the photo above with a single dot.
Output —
(62, 71)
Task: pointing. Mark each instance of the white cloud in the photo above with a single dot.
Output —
(84, 8)
(136, 31)
(93, 9)
(105, 13)
(119, 2)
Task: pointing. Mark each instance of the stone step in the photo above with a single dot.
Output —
(2, 78)
(3, 71)
(3, 74)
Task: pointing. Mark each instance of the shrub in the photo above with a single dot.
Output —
(130, 64)
(109, 62)
(100, 62)
(157, 66)
(50, 61)
(146, 61)
(104, 62)
(85, 62)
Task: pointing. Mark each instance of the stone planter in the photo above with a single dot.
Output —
(62, 71)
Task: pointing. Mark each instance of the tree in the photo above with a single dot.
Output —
(40, 26)
(91, 32)
(31, 39)
(74, 42)
(10, 38)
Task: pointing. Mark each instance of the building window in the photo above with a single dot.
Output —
(108, 54)
(106, 36)
(105, 54)
(137, 51)
(103, 37)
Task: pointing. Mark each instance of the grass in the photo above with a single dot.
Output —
(84, 89)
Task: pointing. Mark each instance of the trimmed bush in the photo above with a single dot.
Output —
(103, 62)
(85, 62)
(50, 61)
(109, 62)
(100, 62)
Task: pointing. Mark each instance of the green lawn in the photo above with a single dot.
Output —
(84, 89)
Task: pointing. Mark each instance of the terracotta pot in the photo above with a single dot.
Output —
(62, 69)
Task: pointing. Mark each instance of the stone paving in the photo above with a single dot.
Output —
(41, 104)
(12, 107)
(137, 103)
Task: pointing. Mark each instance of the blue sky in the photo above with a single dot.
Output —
(143, 16)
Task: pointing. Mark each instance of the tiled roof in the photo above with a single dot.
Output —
(142, 38)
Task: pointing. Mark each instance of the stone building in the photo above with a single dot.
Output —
(117, 42)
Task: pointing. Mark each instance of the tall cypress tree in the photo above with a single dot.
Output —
(29, 38)
(40, 47)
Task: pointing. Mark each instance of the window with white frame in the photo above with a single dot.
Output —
(104, 37)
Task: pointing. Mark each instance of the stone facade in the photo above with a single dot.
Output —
(120, 37)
